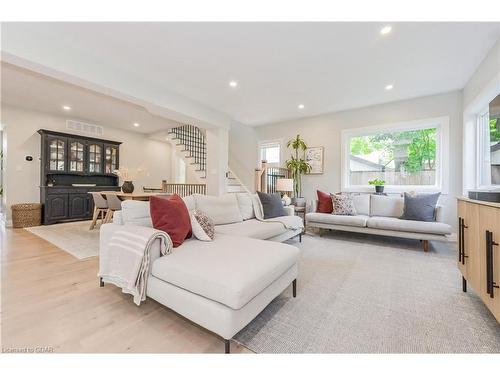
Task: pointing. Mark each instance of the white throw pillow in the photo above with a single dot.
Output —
(190, 203)
(202, 226)
(362, 204)
(136, 213)
(246, 205)
(381, 205)
(222, 210)
(257, 207)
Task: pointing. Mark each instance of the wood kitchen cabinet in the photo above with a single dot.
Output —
(479, 250)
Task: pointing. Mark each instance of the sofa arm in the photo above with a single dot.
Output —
(290, 210)
(439, 213)
(106, 233)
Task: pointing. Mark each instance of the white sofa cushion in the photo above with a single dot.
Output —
(222, 210)
(400, 225)
(136, 213)
(381, 205)
(252, 228)
(355, 221)
(229, 270)
(362, 204)
(246, 205)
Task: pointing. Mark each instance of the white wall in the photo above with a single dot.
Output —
(482, 87)
(325, 130)
(243, 153)
(22, 178)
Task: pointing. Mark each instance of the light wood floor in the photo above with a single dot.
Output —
(51, 299)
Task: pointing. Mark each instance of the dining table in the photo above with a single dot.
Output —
(139, 196)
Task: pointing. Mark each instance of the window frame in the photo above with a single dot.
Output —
(277, 142)
(480, 151)
(442, 154)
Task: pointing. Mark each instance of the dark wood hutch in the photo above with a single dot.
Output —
(68, 160)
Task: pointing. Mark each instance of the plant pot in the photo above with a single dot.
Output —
(379, 189)
(299, 201)
(128, 187)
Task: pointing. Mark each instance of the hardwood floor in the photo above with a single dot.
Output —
(51, 299)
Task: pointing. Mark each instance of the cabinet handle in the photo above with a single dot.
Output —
(490, 283)
(459, 239)
(463, 240)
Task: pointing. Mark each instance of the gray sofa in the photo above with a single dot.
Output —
(380, 215)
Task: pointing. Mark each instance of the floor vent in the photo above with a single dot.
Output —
(83, 127)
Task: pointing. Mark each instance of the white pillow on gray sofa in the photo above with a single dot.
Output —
(381, 205)
(362, 204)
(246, 205)
(222, 210)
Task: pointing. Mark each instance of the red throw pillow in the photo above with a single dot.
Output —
(325, 204)
(170, 214)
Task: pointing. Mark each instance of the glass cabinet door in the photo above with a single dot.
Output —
(76, 156)
(95, 158)
(110, 159)
(57, 154)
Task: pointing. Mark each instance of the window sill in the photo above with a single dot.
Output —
(395, 189)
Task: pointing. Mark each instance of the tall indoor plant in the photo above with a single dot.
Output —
(298, 166)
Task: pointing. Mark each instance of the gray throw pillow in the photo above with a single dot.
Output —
(271, 205)
(420, 207)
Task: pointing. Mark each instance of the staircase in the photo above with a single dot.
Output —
(191, 142)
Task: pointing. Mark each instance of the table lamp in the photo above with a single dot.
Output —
(285, 185)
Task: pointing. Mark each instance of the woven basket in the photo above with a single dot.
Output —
(26, 215)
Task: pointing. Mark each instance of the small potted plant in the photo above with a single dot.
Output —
(379, 185)
(127, 176)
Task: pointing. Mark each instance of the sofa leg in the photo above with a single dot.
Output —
(227, 346)
(294, 288)
(425, 244)
(101, 283)
(300, 237)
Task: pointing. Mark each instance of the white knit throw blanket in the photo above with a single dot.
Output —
(126, 261)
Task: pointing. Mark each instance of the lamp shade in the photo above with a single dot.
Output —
(284, 184)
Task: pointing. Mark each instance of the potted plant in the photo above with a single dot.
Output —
(298, 166)
(127, 176)
(379, 185)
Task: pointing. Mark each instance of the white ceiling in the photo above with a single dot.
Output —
(326, 66)
(26, 89)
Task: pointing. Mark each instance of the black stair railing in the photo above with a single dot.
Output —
(193, 142)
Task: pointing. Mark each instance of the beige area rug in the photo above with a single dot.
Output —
(75, 238)
(370, 294)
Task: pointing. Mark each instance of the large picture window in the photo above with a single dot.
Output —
(406, 156)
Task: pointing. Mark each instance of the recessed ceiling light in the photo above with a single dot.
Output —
(136, 124)
(66, 107)
(233, 83)
(389, 87)
(301, 106)
(385, 30)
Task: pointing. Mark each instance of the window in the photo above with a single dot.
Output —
(406, 156)
(488, 135)
(270, 152)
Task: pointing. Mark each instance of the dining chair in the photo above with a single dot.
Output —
(114, 204)
(100, 208)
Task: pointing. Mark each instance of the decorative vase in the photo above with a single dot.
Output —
(299, 201)
(128, 187)
(286, 200)
(379, 189)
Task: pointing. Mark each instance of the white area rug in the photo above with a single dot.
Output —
(370, 294)
(74, 238)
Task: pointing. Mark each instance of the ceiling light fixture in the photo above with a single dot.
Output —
(136, 124)
(66, 107)
(389, 87)
(233, 83)
(301, 106)
(385, 30)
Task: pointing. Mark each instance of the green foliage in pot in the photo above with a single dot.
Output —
(377, 182)
(297, 163)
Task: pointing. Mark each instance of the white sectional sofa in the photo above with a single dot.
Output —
(379, 214)
(224, 284)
